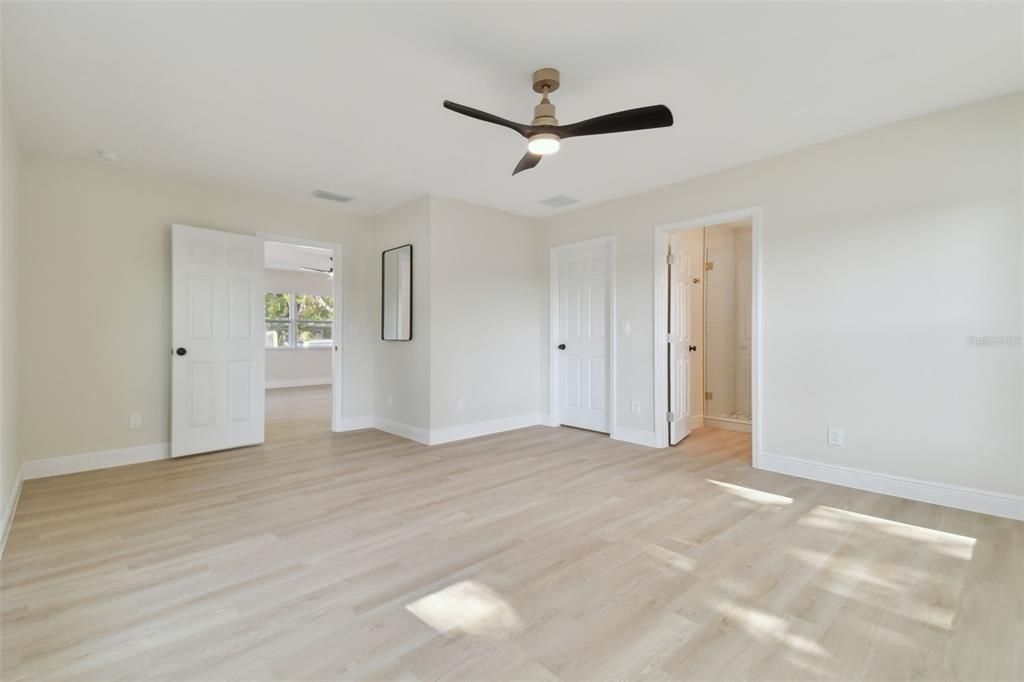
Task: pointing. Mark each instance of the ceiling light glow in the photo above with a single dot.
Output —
(544, 143)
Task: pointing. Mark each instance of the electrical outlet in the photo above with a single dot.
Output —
(461, 404)
(634, 407)
(135, 422)
(835, 436)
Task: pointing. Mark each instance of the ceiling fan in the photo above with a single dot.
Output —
(326, 271)
(545, 136)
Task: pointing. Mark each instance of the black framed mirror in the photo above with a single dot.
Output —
(396, 294)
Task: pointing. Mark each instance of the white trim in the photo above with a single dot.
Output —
(355, 424)
(661, 233)
(337, 325)
(635, 436)
(728, 424)
(7, 520)
(90, 461)
(453, 433)
(554, 376)
(404, 430)
(959, 497)
(296, 383)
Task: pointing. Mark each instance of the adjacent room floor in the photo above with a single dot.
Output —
(534, 554)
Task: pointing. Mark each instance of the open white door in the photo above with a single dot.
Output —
(584, 274)
(217, 375)
(680, 341)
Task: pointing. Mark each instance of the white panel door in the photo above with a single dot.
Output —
(217, 375)
(682, 341)
(583, 331)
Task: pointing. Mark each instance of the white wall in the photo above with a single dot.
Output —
(298, 366)
(10, 455)
(883, 251)
(487, 282)
(402, 368)
(478, 278)
(104, 230)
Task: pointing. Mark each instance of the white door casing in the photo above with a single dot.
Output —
(584, 319)
(681, 338)
(217, 375)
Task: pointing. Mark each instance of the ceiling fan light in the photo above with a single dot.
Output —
(544, 143)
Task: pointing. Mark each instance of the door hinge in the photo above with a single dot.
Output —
(708, 395)
(670, 259)
(709, 265)
(670, 417)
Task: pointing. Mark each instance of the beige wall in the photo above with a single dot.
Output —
(10, 457)
(487, 281)
(402, 368)
(883, 251)
(98, 241)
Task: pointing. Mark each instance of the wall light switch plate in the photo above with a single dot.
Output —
(634, 407)
(135, 422)
(461, 404)
(835, 436)
(626, 328)
(391, 400)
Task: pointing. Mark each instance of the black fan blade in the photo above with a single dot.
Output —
(489, 118)
(657, 116)
(528, 161)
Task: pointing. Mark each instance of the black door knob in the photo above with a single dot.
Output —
(561, 346)
(181, 351)
(693, 348)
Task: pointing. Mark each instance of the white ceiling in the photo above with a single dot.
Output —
(347, 97)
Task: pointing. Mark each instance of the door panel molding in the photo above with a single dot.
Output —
(609, 327)
(217, 363)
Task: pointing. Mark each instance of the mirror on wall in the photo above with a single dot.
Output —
(396, 290)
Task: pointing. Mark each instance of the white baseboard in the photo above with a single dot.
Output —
(296, 383)
(453, 433)
(958, 497)
(404, 430)
(355, 424)
(7, 520)
(635, 436)
(73, 464)
(548, 420)
(728, 424)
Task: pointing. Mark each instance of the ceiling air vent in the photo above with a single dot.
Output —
(331, 196)
(559, 201)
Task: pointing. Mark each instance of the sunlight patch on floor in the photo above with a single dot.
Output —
(759, 496)
(467, 608)
(950, 544)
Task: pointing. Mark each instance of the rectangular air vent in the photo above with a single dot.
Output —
(331, 196)
(559, 201)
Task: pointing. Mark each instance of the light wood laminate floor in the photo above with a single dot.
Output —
(540, 554)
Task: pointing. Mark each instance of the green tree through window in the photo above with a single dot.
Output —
(299, 320)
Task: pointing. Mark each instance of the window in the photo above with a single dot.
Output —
(299, 320)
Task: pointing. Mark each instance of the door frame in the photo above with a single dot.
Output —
(554, 367)
(337, 326)
(661, 235)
